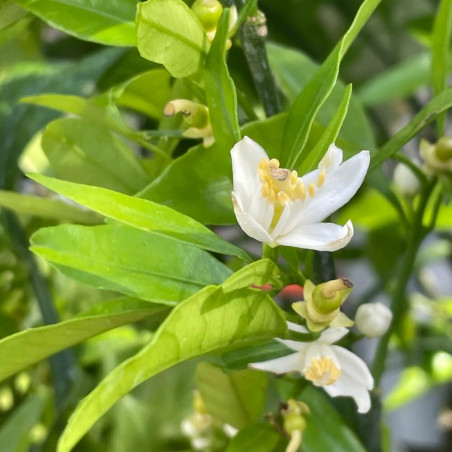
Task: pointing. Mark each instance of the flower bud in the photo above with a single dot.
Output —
(406, 181)
(373, 319)
(293, 413)
(321, 307)
(208, 12)
(196, 116)
(438, 156)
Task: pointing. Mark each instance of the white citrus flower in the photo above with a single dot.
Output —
(275, 206)
(373, 319)
(339, 371)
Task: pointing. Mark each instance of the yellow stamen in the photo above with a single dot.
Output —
(280, 185)
(321, 179)
(322, 371)
(311, 190)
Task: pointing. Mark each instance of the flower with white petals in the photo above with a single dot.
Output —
(336, 369)
(275, 206)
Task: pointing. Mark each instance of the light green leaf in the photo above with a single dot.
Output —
(440, 51)
(80, 151)
(147, 265)
(168, 32)
(28, 347)
(428, 114)
(317, 437)
(46, 207)
(313, 96)
(329, 136)
(255, 438)
(398, 81)
(293, 70)
(237, 397)
(220, 90)
(108, 22)
(142, 214)
(147, 93)
(215, 318)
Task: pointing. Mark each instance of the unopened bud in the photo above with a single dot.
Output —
(22, 383)
(38, 433)
(293, 412)
(406, 181)
(438, 156)
(6, 398)
(373, 319)
(208, 12)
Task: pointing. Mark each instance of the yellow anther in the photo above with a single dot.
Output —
(322, 371)
(321, 179)
(293, 177)
(300, 191)
(274, 162)
(311, 190)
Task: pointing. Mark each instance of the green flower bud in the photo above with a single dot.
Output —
(438, 156)
(444, 149)
(329, 296)
(294, 421)
(208, 12)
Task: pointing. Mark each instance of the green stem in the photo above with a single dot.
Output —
(413, 167)
(253, 33)
(269, 253)
(398, 300)
(151, 147)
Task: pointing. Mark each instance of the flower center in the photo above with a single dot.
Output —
(280, 185)
(322, 371)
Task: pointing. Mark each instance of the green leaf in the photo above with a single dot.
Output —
(142, 214)
(440, 51)
(215, 318)
(220, 90)
(19, 123)
(309, 101)
(237, 397)
(325, 430)
(428, 114)
(398, 81)
(329, 135)
(80, 151)
(15, 431)
(147, 265)
(108, 22)
(28, 347)
(293, 70)
(168, 32)
(46, 207)
(147, 93)
(255, 438)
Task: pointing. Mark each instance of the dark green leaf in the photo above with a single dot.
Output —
(255, 438)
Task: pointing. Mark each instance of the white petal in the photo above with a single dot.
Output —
(354, 366)
(330, 161)
(346, 386)
(249, 225)
(261, 210)
(298, 328)
(246, 155)
(332, 335)
(319, 236)
(293, 345)
(289, 363)
(339, 187)
(291, 217)
(317, 350)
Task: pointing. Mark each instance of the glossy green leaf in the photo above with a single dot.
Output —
(142, 214)
(440, 51)
(80, 151)
(293, 70)
(325, 430)
(215, 318)
(147, 93)
(329, 135)
(147, 265)
(236, 397)
(28, 347)
(428, 114)
(168, 32)
(220, 91)
(19, 123)
(46, 207)
(255, 438)
(398, 81)
(108, 22)
(313, 96)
